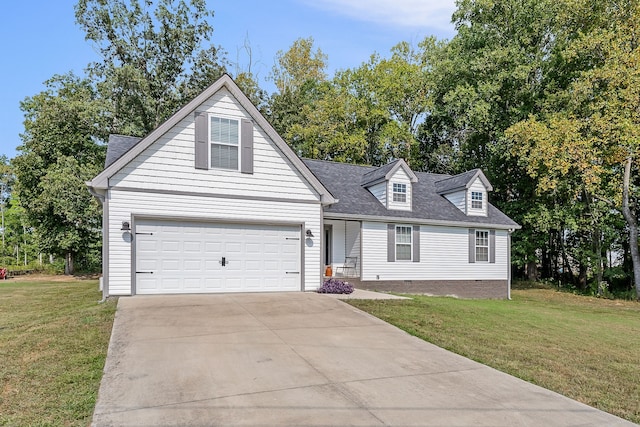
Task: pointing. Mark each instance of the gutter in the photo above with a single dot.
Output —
(94, 193)
(423, 221)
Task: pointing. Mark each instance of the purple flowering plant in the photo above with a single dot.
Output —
(335, 286)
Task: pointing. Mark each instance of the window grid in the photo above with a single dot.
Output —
(476, 200)
(224, 138)
(399, 192)
(482, 246)
(403, 242)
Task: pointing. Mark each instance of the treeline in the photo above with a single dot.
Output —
(542, 95)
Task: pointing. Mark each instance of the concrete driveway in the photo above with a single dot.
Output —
(302, 359)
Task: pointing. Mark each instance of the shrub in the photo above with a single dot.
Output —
(335, 286)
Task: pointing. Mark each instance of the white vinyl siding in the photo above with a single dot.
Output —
(399, 177)
(458, 199)
(124, 204)
(444, 257)
(380, 192)
(168, 164)
(224, 138)
(477, 187)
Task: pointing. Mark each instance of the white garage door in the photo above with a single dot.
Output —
(190, 257)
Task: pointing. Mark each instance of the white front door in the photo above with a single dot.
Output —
(197, 257)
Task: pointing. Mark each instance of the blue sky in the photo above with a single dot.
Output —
(40, 38)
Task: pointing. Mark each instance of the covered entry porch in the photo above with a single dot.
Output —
(342, 249)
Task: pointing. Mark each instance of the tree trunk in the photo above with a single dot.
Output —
(532, 271)
(629, 216)
(68, 264)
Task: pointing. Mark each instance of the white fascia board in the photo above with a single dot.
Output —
(401, 164)
(423, 221)
(101, 181)
(483, 178)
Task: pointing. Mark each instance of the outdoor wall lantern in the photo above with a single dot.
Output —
(125, 226)
(309, 233)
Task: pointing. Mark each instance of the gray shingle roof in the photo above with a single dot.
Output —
(377, 174)
(343, 181)
(118, 145)
(456, 182)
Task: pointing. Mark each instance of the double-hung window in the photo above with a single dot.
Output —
(482, 246)
(403, 242)
(224, 140)
(399, 192)
(476, 200)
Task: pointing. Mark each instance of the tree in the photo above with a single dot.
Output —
(297, 74)
(299, 65)
(154, 61)
(591, 130)
(62, 149)
(7, 180)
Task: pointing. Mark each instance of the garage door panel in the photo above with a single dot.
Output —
(170, 246)
(192, 246)
(193, 265)
(192, 284)
(172, 284)
(186, 257)
(253, 266)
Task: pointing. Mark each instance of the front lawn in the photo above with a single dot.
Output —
(585, 348)
(53, 343)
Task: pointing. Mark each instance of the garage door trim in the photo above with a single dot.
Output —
(209, 220)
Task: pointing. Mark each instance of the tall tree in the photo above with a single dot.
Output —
(7, 180)
(61, 150)
(591, 130)
(154, 56)
(297, 74)
(299, 65)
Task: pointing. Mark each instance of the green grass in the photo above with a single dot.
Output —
(53, 344)
(585, 348)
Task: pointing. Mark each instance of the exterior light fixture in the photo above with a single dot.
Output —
(309, 233)
(125, 226)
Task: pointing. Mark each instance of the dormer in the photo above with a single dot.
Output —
(392, 185)
(467, 191)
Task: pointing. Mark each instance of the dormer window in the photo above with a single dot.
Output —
(476, 200)
(399, 192)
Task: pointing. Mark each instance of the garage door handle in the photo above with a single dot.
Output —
(144, 272)
(292, 272)
(292, 238)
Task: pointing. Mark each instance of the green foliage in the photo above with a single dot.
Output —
(584, 141)
(154, 60)
(61, 150)
(299, 65)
